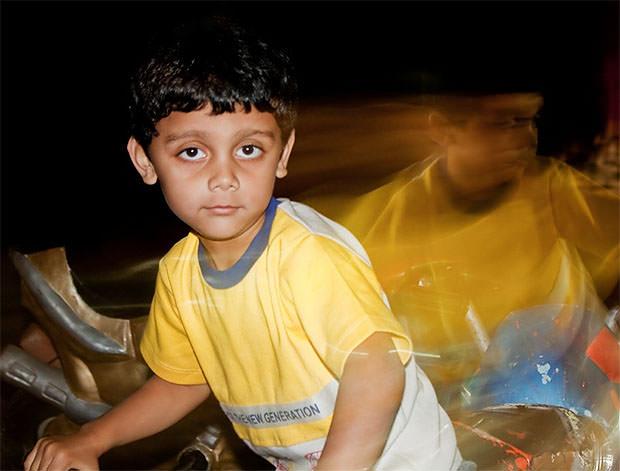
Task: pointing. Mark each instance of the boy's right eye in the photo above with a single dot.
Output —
(192, 153)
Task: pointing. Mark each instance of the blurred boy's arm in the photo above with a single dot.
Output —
(370, 393)
(155, 406)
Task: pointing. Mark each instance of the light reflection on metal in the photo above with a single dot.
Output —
(203, 453)
(61, 313)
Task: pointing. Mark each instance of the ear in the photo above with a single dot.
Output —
(440, 128)
(281, 170)
(141, 161)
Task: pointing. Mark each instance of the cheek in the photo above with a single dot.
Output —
(262, 189)
(178, 197)
(260, 179)
(519, 138)
(495, 145)
(476, 149)
(481, 153)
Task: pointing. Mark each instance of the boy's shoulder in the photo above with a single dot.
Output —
(302, 225)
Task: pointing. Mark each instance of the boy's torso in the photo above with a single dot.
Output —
(273, 345)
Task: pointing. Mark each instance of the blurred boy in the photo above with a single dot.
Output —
(482, 229)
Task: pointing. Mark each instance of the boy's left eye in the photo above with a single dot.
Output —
(248, 151)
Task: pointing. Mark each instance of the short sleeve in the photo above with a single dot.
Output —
(588, 216)
(165, 345)
(338, 301)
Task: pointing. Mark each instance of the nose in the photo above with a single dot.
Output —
(222, 175)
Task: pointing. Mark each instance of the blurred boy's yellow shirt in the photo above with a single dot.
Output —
(553, 238)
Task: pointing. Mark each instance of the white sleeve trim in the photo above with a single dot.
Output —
(318, 224)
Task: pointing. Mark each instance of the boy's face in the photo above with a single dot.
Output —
(500, 138)
(217, 172)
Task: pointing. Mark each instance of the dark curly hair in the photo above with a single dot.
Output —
(211, 61)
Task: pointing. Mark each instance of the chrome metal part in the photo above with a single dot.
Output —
(47, 383)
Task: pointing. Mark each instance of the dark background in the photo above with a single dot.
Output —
(66, 179)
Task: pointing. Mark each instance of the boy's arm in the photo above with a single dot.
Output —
(157, 405)
(370, 393)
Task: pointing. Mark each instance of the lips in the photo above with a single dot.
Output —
(222, 209)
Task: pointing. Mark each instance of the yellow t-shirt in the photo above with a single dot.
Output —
(271, 336)
(452, 274)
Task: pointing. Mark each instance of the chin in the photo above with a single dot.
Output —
(222, 234)
(218, 236)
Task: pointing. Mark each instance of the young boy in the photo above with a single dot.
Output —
(266, 303)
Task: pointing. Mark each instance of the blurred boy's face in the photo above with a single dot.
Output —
(497, 141)
(217, 172)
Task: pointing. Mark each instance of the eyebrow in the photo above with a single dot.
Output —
(176, 137)
(201, 134)
(254, 132)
